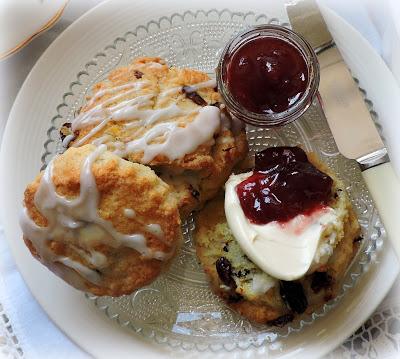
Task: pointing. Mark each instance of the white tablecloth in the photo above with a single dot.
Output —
(26, 331)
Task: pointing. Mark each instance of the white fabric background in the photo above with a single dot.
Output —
(33, 333)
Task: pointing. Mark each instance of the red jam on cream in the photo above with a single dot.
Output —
(283, 185)
(278, 212)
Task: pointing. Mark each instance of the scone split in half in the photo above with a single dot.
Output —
(281, 239)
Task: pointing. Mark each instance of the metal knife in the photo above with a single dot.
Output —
(348, 117)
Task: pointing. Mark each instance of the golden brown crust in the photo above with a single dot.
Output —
(212, 234)
(121, 185)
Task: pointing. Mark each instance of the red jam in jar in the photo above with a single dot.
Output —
(284, 184)
(267, 75)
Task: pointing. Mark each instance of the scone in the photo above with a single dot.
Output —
(168, 118)
(103, 224)
(258, 293)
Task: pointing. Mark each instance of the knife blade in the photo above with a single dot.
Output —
(348, 117)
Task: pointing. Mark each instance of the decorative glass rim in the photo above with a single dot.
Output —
(96, 68)
(293, 112)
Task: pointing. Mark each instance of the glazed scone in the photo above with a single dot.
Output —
(168, 118)
(103, 224)
(258, 295)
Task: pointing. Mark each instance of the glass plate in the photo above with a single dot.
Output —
(179, 308)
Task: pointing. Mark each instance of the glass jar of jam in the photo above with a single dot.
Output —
(268, 75)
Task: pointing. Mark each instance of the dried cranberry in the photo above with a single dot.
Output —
(64, 126)
(228, 149)
(235, 298)
(194, 192)
(242, 273)
(138, 74)
(358, 239)
(293, 295)
(224, 269)
(194, 96)
(320, 280)
(282, 320)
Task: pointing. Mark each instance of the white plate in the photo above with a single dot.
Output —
(20, 161)
(22, 20)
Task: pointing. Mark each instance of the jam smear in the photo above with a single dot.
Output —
(267, 75)
(284, 184)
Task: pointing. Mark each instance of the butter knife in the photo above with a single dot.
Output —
(348, 117)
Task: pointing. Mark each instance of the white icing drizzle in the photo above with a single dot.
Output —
(129, 213)
(91, 133)
(190, 88)
(162, 135)
(209, 83)
(115, 113)
(155, 229)
(66, 141)
(87, 273)
(170, 91)
(151, 65)
(95, 258)
(103, 139)
(178, 141)
(155, 65)
(77, 219)
(101, 112)
(148, 117)
(137, 85)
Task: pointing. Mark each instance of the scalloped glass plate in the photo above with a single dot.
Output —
(179, 308)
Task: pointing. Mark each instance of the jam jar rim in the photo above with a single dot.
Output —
(293, 112)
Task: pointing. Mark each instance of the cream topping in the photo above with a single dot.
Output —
(262, 283)
(284, 251)
(77, 220)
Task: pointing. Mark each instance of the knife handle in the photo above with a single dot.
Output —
(384, 187)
